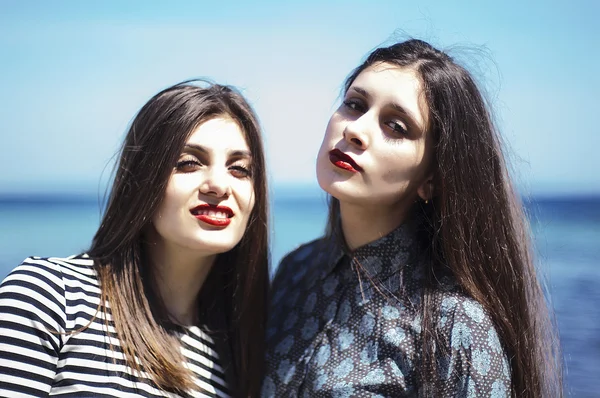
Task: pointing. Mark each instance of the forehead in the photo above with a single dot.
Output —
(389, 84)
(219, 133)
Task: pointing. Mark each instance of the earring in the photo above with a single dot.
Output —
(426, 201)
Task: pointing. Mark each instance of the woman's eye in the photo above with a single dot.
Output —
(354, 105)
(397, 128)
(188, 165)
(240, 171)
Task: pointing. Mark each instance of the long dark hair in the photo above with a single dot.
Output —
(151, 148)
(476, 226)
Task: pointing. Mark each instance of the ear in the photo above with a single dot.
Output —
(426, 189)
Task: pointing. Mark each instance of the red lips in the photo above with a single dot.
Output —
(219, 216)
(343, 161)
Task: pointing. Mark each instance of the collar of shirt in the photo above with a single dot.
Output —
(378, 259)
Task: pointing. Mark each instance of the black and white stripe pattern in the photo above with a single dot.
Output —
(43, 302)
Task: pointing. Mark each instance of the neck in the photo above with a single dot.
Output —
(364, 224)
(179, 275)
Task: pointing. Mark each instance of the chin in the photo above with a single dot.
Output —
(337, 189)
(213, 246)
(325, 180)
(327, 176)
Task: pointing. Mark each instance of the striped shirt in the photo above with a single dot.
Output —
(43, 304)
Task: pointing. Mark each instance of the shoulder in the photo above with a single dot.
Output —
(76, 270)
(45, 289)
(457, 307)
(52, 271)
(467, 325)
(474, 361)
(33, 294)
(45, 280)
(35, 273)
(307, 252)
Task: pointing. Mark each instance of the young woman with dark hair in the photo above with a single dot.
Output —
(170, 300)
(424, 284)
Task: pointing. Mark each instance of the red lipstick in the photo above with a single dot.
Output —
(343, 161)
(219, 216)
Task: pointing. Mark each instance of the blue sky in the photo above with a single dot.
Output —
(73, 74)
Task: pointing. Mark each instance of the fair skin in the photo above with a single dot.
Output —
(205, 211)
(375, 156)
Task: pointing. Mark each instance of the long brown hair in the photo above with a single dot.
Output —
(476, 226)
(151, 148)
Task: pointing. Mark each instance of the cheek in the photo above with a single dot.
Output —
(171, 199)
(176, 196)
(246, 198)
(405, 168)
(335, 128)
(332, 135)
(401, 175)
(251, 202)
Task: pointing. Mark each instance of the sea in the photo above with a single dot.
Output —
(566, 233)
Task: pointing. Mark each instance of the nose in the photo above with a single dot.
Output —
(356, 132)
(216, 183)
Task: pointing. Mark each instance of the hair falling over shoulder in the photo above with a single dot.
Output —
(476, 226)
(239, 277)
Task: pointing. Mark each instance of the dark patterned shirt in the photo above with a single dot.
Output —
(334, 333)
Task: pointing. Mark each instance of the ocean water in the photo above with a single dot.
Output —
(566, 234)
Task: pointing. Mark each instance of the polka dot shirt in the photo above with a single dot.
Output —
(334, 333)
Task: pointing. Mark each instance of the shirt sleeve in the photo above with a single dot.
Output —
(32, 326)
(475, 364)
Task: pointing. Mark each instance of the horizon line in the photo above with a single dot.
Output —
(287, 193)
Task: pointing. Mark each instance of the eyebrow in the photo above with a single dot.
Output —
(394, 105)
(238, 153)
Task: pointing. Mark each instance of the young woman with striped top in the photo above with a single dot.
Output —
(170, 298)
